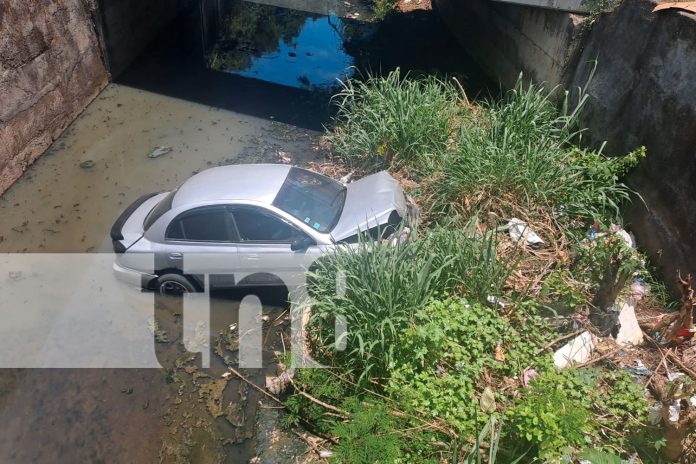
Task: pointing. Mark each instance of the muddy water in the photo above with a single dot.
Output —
(234, 92)
(66, 202)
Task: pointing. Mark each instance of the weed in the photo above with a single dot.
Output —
(369, 437)
(564, 410)
(393, 121)
(386, 284)
(382, 8)
(514, 157)
(445, 351)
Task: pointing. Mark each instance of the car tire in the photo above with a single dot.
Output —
(174, 285)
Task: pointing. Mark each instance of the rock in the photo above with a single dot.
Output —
(630, 332)
(87, 164)
(576, 351)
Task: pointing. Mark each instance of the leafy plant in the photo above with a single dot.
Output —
(393, 121)
(382, 8)
(444, 353)
(553, 415)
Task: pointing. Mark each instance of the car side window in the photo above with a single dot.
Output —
(255, 225)
(207, 224)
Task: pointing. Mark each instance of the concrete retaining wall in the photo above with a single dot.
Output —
(50, 69)
(644, 93)
(507, 39)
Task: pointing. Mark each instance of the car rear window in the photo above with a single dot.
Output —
(160, 208)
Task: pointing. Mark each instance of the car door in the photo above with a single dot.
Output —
(264, 248)
(202, 241)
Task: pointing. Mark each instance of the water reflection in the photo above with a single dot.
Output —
(287, 47)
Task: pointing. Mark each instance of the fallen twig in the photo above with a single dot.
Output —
(595, 360)
(255, 387)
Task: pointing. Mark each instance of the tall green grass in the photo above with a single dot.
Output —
(393, 120)
(386, 284)
(517, 154)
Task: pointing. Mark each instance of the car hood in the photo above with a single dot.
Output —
(369, 202)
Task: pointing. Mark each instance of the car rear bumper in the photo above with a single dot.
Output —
(132, 277)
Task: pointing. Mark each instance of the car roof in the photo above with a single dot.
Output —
(258, 182)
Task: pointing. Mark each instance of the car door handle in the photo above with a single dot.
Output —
(176, 255)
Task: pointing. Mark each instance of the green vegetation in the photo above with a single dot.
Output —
(447, 355)
(382, 8)
(393, 121)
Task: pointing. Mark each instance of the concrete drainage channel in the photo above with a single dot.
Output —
(201, 94)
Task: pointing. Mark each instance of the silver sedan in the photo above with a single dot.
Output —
(256, 224)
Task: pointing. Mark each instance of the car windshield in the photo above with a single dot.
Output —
(312, 198)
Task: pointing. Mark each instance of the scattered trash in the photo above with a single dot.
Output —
(673, 412)
(639, 289)
(626, 236)
(672, 376)
(233, 327)
(159, 151)
(345, 179)
(495, 302)
(576, 351)
(226, 375)
(521, 230)
(629, 332)
(265, 318)
(284, 157)
(325, 454)
(639, 369)
(528, 375)
(87, 164)
(655, 414)
(347, 4)
(278, 385)
(499, 354)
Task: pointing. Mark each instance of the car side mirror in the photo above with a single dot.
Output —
(302, 243)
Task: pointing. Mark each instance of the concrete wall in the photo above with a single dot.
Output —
(128, 26)
(644, 93)
(50, 69)
(507, 39)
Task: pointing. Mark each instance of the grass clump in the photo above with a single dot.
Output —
(385, 284)
(393, 121)
(515, 157)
